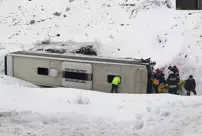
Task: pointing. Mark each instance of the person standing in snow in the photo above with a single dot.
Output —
(115, 84)
(158, 79)
(190, 85)
(172, 82)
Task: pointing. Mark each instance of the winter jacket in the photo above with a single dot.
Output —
(173, 81)
(176, 71)
(160, 77)
(116, 80)
(190, 84)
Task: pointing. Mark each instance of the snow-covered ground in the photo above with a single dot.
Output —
(72, 112)
(121, 28)
(12, 81)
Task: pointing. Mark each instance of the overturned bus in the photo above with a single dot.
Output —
(82, 72)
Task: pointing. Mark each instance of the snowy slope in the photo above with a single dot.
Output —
(130, 28)
(71, 112)
(152, 30)
(14, 82)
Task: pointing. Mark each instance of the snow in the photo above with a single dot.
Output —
(148, 29)
(12, 81)
(40, 111)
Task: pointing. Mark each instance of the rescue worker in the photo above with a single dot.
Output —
(158, 79)
(115, 83)
(176, 71)
(190, 85)
(172, 82)
(170, 68)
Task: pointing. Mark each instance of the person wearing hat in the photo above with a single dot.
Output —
(176, 71)
(190, 85)
(158, 79)
(170, 68)
(172, 82)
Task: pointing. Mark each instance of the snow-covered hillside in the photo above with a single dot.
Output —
(124, 28)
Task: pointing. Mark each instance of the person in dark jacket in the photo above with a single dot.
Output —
(172, 82)
(170, 68)
(190, 85)
(175, 70)
(160, 77)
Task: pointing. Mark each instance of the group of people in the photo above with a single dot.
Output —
(158, 78)
(173, 80)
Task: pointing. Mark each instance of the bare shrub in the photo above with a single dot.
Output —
(168, 3)
(32, 22)
(159, 3)
(57, 14)
(46, 41)
(67, 9)
(79, 100)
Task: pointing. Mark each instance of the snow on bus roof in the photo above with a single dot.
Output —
(82, 57)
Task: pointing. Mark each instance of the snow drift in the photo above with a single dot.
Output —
(78, 112)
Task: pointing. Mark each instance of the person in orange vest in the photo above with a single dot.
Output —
(158, 79)
(115, 84)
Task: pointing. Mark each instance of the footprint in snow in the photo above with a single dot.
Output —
(156, 110)
(139, 124)
(197, 105)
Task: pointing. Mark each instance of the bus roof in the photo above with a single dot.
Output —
(85, 57)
